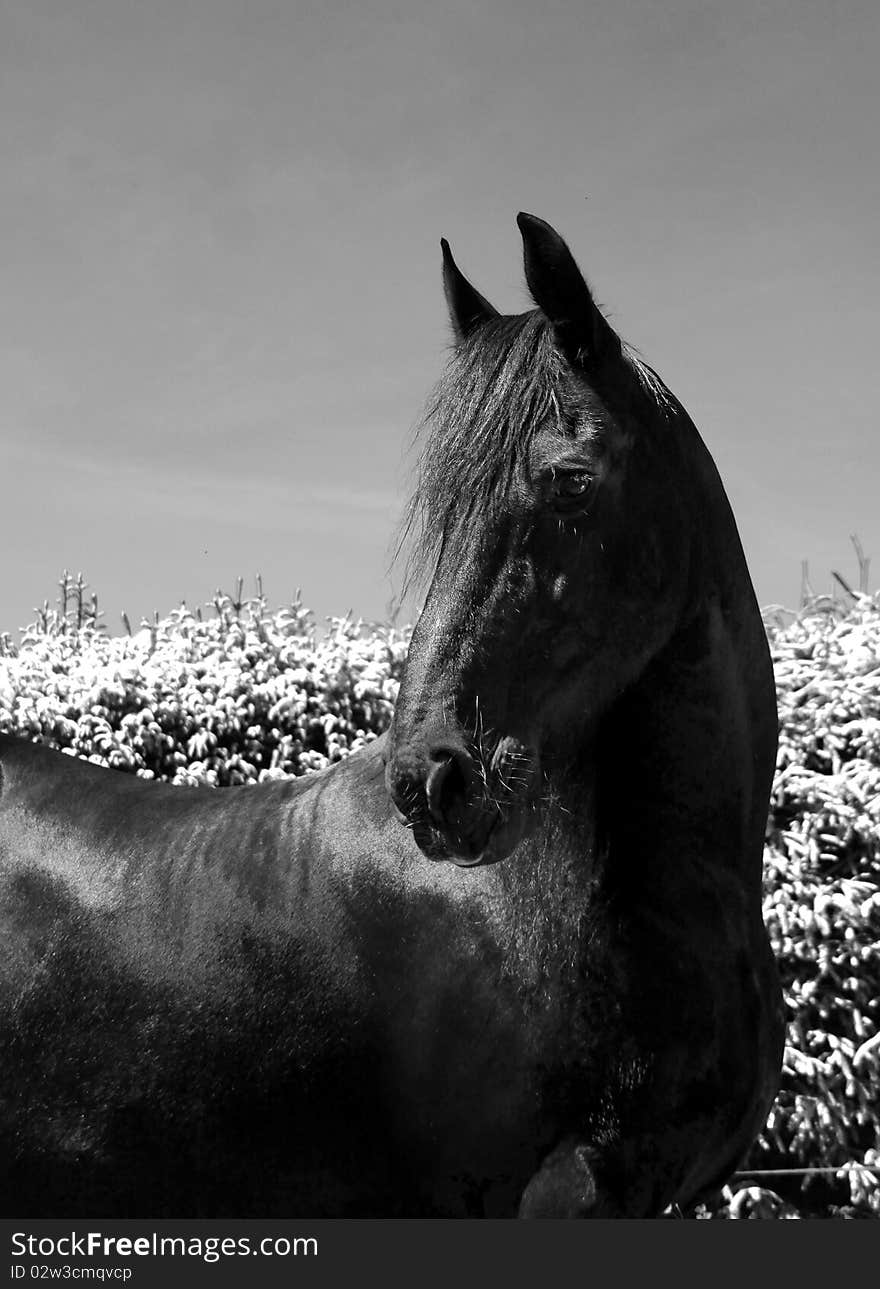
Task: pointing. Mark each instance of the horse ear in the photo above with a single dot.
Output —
(467, 308)
(559, 290)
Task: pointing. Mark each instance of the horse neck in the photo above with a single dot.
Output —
(686, 756)
(670, 790)
(548, 887)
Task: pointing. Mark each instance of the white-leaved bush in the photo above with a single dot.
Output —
(247, 695)
(250, 694)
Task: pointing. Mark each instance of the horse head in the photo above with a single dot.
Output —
(556, 543)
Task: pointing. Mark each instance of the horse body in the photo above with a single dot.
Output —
(278, 1001)
(220, 1010)
(223, 1012)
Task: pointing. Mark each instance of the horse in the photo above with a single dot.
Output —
(506, 960)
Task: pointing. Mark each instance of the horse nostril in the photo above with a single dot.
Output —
(446, 779)
(403, 787)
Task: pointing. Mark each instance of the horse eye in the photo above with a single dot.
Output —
(569, 489)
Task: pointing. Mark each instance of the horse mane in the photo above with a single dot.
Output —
(650, 382)
(471, 447)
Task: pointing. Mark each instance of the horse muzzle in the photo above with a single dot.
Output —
(459, 805)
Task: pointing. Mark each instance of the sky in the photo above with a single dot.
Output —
(221, 301)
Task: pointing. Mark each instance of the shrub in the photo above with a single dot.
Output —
(822, 909)
(245, 695)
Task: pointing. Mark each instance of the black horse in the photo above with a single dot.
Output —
(283, 1001)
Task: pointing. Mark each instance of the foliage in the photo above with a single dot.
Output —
(244, 695)
(250, 693)
(822, 908)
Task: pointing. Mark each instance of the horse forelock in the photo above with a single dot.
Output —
(501, 385)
